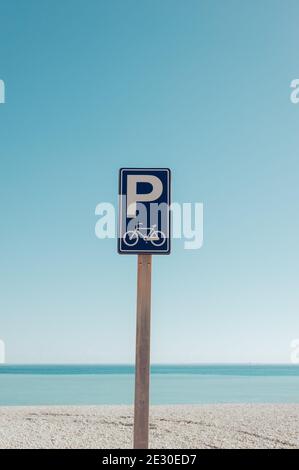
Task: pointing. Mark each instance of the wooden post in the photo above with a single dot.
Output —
(142, 367)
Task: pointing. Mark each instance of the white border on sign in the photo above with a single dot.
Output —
(121, 210)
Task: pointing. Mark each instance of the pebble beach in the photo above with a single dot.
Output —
(233, 426)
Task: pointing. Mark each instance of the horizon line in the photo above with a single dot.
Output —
(133, 364)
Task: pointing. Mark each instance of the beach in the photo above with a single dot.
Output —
(263, 426)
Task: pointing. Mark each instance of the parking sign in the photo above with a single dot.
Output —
(144, 211)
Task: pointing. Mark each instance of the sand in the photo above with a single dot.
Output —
(178, 426)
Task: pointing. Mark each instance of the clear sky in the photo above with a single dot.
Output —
(202, 87)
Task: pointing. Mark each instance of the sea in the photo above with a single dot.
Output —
(170, 384)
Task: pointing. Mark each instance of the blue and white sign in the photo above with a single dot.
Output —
(144, 211)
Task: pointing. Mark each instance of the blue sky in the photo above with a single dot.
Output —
(201, 87)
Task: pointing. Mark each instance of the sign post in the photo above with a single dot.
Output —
(144, 229)
(142, 371)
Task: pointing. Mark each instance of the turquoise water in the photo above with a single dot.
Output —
(170, 384)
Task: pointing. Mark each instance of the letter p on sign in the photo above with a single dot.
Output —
(144, 211)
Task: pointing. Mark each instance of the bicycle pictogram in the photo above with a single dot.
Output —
(148, 234)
